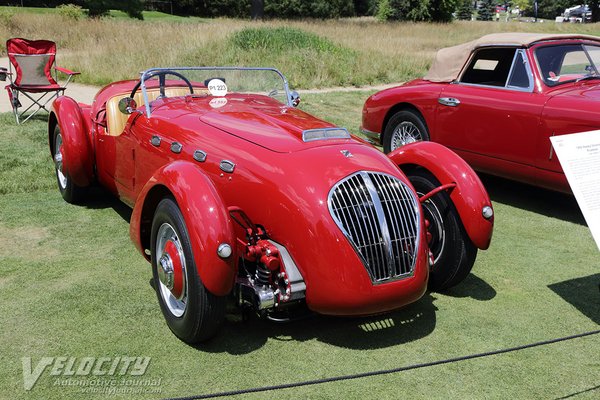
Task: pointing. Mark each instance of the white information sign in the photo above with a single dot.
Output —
(579, 156)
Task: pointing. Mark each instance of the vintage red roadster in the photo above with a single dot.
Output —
(496, 101)
(238, 194)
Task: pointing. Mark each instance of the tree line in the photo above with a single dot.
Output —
(403, 10)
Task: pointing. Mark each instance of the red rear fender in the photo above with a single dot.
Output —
(77, 147)
(469, 196)
(205, 215)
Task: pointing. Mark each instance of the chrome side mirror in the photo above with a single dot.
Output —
(295, 98)
(127, 105)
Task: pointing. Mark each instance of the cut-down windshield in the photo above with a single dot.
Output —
(215, 82)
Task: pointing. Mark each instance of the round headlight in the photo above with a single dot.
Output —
(224, 250)
(487, 212)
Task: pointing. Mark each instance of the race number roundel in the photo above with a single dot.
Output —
(217, 87)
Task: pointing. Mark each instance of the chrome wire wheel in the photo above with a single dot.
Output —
(171, 268)
(436, 227)
(452, 250)
(406, 132)
(58, 162)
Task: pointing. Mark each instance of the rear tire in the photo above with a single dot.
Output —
(70, 192)
(404, 127)
(453, 251)
(192, 313)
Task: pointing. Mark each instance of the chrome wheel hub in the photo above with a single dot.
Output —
(406, 132)
(165, 271)
(171, 270)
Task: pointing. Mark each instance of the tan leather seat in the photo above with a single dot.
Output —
(116, 120)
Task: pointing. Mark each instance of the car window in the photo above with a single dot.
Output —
(574, 62)
(594, 53)
(520, 75)
(489, 67)
(567, 63)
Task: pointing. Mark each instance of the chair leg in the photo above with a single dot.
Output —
(35, 101)
(15, 103)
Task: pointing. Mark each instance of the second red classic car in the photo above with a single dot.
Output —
(238, 194)
(496, 101)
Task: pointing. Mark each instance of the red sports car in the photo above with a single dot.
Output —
(238, 194)
(496, 101)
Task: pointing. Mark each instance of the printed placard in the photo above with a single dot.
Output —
(579, 156)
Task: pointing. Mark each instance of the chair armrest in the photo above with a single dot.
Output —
(66, 71)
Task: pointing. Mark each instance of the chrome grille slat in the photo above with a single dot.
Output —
(371, 242)
(407, 223)
(392, 216)
(379, 215)
(354, 221)
(385, 182)
(402, 224)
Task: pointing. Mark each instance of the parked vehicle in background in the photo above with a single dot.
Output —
(238, 194)
(577, 14)
(496, 101)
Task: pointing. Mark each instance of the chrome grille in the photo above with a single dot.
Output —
(379, 214)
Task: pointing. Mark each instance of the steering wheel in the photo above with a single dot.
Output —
(161, 81)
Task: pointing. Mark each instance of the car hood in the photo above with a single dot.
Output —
(263, 121)
(586, 91)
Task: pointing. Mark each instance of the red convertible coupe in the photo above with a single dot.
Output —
(238, 194)
(496, 101)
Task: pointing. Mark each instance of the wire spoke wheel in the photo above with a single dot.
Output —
(453, 252)
(405, 133)
(404, 127)
(436, 228)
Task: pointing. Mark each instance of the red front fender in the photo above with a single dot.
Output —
(469, 196)
(205, 215)
(78, 162)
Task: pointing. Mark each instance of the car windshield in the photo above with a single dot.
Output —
(217, 82)
(568, 63)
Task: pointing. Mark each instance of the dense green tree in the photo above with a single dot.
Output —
(99, 8)
(465, 10)
(595, 7)
(486, 10)
(365, 7)
(96, 8)
(441, 10)
(550, 9)
(309, 8)
(416, 10)
(257, 9)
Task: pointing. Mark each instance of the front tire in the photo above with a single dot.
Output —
(70, 192)
(453, 251)
(404, 127)
(192, 313)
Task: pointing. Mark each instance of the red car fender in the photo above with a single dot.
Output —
(469, 196)
(78, 160)
(205, 215)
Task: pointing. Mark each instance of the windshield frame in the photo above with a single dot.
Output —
(149, 74)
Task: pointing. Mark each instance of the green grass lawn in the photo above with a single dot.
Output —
(73, 285)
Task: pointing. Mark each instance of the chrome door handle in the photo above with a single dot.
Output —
(449, 101)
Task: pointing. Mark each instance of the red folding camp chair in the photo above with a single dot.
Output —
(33, 62)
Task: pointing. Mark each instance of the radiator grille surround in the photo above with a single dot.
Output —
(380, 216)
